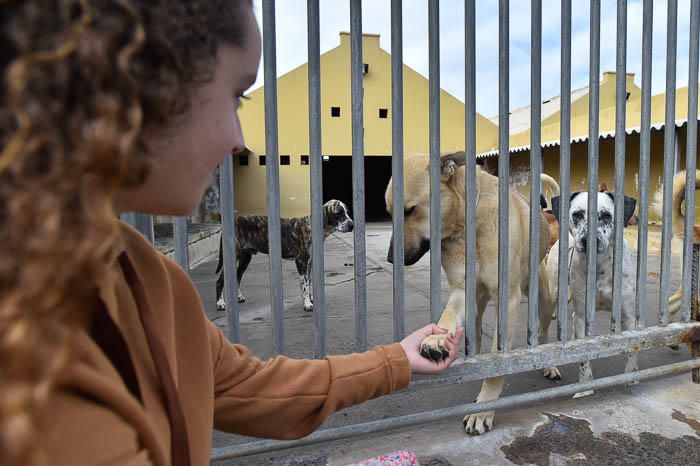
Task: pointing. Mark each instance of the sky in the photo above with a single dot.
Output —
(291, 25)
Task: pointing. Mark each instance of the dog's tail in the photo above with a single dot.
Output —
(549, 183)
(678, 223)
(220, 265)
(677, 217)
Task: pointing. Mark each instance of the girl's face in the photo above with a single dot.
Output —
(186, 154)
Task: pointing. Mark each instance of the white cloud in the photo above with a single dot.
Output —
(335, 17)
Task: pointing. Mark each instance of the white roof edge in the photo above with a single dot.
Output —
(575, 139)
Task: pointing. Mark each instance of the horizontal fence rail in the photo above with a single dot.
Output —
(447, 413)
(576, 340)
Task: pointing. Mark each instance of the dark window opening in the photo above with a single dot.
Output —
(627, 96)
(337, 184)
(284, 160)
(335, 111)
(365, 68)
(383, 112)
(243, 160)
(261, 160)
(304, 159)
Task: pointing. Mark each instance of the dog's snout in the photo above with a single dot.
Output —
(411, 255)
(351, 225)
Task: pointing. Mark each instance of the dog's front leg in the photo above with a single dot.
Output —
(491, 389)
(628, 323)
(302, 264)
(433, 347)
(585, 373)
(546, 309)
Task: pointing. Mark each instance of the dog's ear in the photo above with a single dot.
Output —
(630, 205)
(543, 202)
(450, 162)
(555, 207)
(556, 202)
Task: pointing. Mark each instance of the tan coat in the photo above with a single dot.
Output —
(111, 406)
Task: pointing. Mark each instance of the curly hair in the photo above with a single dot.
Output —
(75, 120)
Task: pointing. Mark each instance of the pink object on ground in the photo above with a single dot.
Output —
(397, 458)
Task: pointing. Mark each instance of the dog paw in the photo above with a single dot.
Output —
(479, 423)
(309, 307)
(433, 348)
(221, 304)
(551, 373)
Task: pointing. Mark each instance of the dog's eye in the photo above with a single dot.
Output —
(605, 217)
(577, 216)
(408, 211)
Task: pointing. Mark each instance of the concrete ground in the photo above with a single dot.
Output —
(655, 422)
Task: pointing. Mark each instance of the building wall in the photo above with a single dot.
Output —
(520, 162)
(292, 95)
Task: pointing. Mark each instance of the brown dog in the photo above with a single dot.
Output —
(417, 243)
(549, 183)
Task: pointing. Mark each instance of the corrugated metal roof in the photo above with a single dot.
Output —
(519, 119)
(583, 138)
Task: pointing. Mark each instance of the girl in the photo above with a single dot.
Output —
(106, 356)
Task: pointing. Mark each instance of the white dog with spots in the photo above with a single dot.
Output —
(578, 238)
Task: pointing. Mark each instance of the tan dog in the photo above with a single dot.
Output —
(417, 243)
(678, 225)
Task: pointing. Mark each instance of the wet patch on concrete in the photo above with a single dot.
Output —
(693, 423)
(309, 461)
(433, 461)
(570, 441)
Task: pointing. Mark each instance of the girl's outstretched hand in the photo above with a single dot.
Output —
(421, 365)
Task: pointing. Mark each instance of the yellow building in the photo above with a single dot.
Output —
(336, 124)
(520, 141)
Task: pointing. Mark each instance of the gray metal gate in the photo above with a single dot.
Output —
(506, 360)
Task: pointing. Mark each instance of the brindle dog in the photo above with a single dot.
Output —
(251, 238)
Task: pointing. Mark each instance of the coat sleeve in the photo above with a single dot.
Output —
(287, 398)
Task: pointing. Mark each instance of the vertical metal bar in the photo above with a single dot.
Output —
(690, 157)
(695, 345)
(182, 255)
(142, 222)
(318, 268)
(470, 174)
(535, 167)
(397, 165)
(669, 157)
(503, 173)
(644, 152)
(620, 134)
(564, 172)
(593, 115)
(228, 240)
(434, 115)
(273, 180)
(677, 150)
(358, 174)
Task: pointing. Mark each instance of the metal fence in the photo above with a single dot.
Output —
(506, 360)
